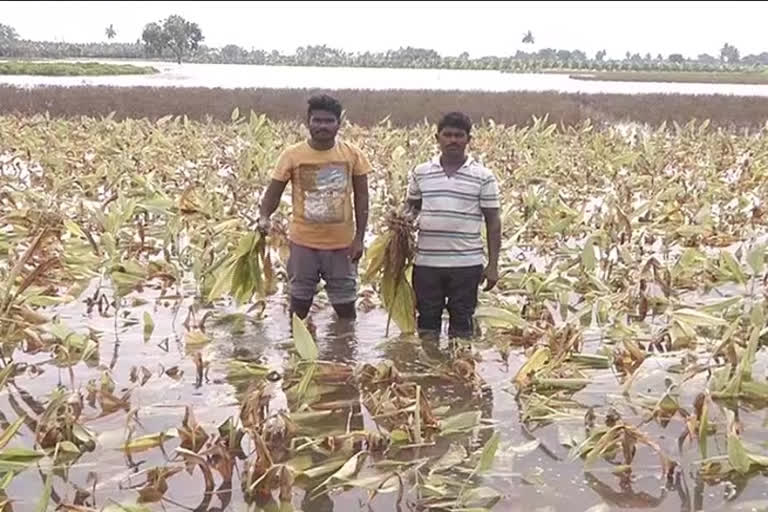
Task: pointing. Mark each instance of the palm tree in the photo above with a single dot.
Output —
(528, 37)
(111, 33)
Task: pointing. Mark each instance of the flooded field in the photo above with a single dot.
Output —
(619, 366)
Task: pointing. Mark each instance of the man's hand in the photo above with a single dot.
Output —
(491, 277)
(263, 226)
(356, 251)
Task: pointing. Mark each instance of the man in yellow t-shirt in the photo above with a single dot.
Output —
(326, 241)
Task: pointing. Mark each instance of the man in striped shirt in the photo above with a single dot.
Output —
(453, 195)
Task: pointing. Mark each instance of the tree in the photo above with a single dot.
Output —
(233, 53)
(183, 36)
(578, 55)
(175, 34)
(528, 38)
(8, 34)
(676, 58)
(8, 37)
(154, 38)
(110, 32)
(729, 54)
(599, 56)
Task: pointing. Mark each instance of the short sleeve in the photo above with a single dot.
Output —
(282, 171)
(489, 192)
(362, 164)
(414, 191)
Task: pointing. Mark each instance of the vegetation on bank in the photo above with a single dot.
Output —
(178, 39)
(401, 108)
(754, 78)
(72, 69)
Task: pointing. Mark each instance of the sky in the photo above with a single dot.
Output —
(479, 28)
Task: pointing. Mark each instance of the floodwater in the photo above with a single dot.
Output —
(234, 76)
(542, 479)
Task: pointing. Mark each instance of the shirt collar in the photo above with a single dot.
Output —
(468, 163)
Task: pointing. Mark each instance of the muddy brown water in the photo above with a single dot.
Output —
(543, 479)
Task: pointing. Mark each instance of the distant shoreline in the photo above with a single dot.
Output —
(726, 77)
(71, 68)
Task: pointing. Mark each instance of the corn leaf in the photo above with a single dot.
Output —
(302, 340)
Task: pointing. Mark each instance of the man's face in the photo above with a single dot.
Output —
(453, 141)
(323, 125)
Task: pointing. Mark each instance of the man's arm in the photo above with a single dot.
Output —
(360, 189)
(413, 199)
(270, 202)
(493, 228)
(413, 207)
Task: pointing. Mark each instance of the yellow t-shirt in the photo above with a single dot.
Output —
(321, 183)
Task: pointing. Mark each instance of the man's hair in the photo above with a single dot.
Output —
(455, 120)
(324, 102)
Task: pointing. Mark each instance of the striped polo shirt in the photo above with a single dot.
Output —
(451, 219)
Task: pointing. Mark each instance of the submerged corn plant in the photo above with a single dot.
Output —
(139, 310)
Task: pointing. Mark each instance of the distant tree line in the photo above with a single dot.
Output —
(181, 40)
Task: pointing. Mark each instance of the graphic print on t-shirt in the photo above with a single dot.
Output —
(324, 191)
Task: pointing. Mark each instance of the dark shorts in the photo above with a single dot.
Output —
(307, 266)
(454, 288)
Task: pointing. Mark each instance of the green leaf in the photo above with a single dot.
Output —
(460, 423)
(537, 361)
(498, 317)
(479, 497)
(697, 318)
(73, 228)
(737, 455)
(756, 259)
(305, 381)
(196, 337)
(302, 340)
(125, 507)
(7, 479)
(489, 453)
(149, 326)
(400, 302)
(346, 471)
(20, 455)
(42, 505)
(455, 455)
(588, 258)
(733, 267)
(375, 256)
(68, 447)
(704, 430)
(324, 468)
(147, 442)
(417, 417)
(757, 315)
(223, 281)
(11, 431)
